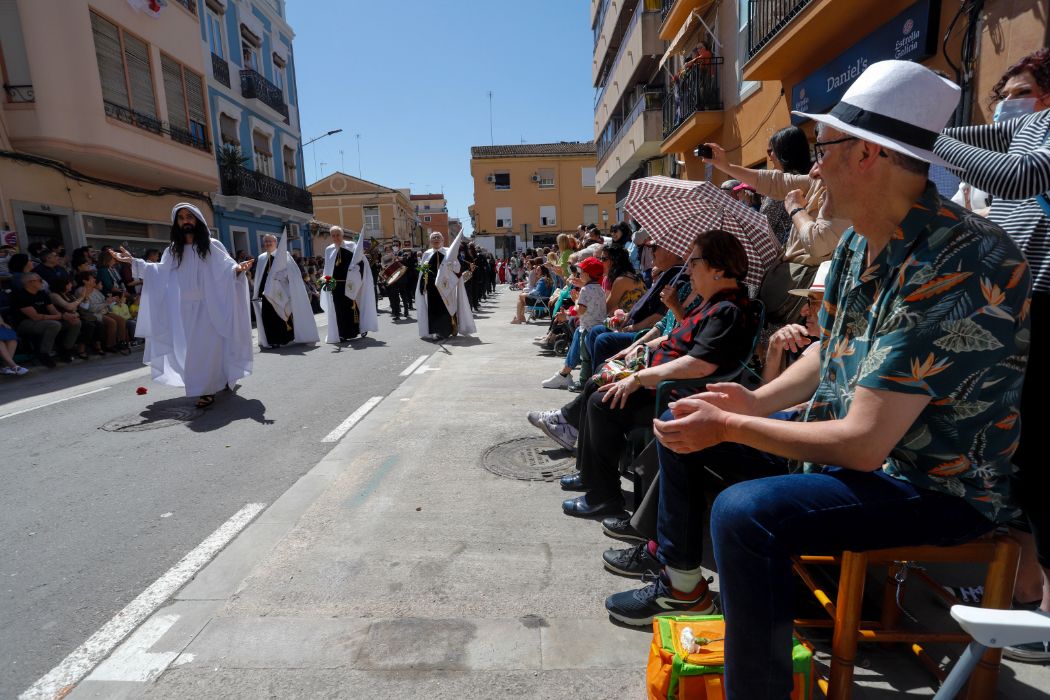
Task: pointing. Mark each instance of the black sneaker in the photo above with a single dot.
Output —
(634, 561)
(576, 387)
(46, 360)
(637, 608)
(621, 529)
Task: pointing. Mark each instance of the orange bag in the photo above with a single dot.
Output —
(674, 674)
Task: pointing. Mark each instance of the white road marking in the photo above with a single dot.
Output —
(427, 368)
(52, 403)
(357, 415)
(84, 658)
(133, 661)
(412, 367)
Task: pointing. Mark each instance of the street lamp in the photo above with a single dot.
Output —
(333, 131)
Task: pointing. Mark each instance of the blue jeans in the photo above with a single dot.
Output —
(756, 526)
(608, 344)
(572, 358)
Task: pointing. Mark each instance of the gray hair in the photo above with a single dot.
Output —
(336, 229)
(30, 276)
(270, 236)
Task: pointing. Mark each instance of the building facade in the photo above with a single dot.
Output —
(432, 212)
(103, 122)
(771, 64)
(525, 195)
(383, 213)
(252, 95)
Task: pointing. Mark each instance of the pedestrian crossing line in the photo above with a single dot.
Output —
(352, 420)
(59, 680)
(412, 367)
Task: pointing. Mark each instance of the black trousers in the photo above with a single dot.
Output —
(1032, 481)
(393, 294)
(603, 436)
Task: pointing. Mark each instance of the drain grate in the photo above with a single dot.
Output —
(529, 459)
(153, 419)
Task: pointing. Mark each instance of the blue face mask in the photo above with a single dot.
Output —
(1013, 109)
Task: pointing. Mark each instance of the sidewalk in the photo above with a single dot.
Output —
(399, 567)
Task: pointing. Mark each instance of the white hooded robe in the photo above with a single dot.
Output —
(452, 289)
(284, 287)
(368, 318)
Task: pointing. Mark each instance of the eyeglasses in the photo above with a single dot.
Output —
(818, 146)
(693, 261)
(604, 259)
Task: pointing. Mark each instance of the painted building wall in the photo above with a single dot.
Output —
(341, 199)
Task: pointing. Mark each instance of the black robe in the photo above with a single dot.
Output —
(278, 331)
(346, 315)
(438, 319)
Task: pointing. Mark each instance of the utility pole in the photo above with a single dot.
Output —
(342, 163)
(358, 137)
(492, 142)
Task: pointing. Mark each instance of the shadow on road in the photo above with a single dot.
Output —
(228, 408)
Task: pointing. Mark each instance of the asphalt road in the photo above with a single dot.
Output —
(90, 517)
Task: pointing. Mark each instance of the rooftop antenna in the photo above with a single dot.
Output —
(358, 137)
(492, 141)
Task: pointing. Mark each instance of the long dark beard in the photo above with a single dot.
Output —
(201, 241)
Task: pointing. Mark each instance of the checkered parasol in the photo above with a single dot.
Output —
(675, 212)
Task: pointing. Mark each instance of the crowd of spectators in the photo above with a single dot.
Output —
(850, 362)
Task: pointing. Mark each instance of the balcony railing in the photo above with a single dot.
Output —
(697, 90)
(636, 19)
(601, 21)
(665, 9)
(189, 138)
(130, 116)
(19, 93)
(765, 18)
(220, 69)
(190, 5)
(254, 85)
(617, 127)
(241, 182)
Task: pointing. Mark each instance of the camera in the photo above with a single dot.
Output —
(703, 151)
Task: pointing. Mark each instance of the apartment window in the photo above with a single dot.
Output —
(371, 218)
(587, 177)
(590, 214)
(215, 42)
(502, 181)
(263, 154)
(547, 217)
(503, 217)
(184, 93)
(249, 52)
(126, 75)
(288, 158)
(278, 72)
(228, 130)
(426, 218)
(746, 86)
(545, 176)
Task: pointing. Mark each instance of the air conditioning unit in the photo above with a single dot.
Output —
(535, 178)
(490, 178)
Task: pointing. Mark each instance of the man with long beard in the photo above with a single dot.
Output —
(194, 310)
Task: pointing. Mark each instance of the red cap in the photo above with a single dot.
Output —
(593, 267)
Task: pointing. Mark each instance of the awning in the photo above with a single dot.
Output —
(681, 40)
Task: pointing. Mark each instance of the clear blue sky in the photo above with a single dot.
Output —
(412, 77)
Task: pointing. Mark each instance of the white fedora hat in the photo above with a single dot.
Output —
(817, 286)
(900, 105)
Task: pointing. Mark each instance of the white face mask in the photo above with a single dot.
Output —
(1013, 109)
(397, 248)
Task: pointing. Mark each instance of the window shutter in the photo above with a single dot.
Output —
(228, 129)
(110, 63)
(173, 93)
(261, 142)
(195, 97)
(136, 53)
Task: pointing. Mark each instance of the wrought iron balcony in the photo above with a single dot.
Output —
(765, 19)
(130, 116)
(19, 93)
(256, 86)
(220, 69)
(189, 138)
(696, 90)
(665, 9)
(241, 182)
(190, 5)
(618, 126)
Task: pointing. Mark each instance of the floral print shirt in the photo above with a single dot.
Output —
(942, 311)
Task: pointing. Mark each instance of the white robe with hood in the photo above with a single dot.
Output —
(287, 282)
(359, 287)
(452, 288)
(195, 318)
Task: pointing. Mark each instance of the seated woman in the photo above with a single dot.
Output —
(713, 340)
(536, 294)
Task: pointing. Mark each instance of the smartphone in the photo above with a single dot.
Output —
(703, 151)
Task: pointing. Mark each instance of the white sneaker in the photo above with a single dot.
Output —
(20, 370)
(537, 418)
(558, 381)
(561, 432)
(10, 371)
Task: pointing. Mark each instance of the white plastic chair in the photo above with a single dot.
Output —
(993, 629)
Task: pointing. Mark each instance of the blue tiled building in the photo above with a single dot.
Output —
(254, 106)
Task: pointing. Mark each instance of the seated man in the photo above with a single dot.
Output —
(36, 317)
(713, 341)
(913, 396)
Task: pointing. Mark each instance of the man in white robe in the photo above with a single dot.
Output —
(194, 312)
(282, 304)
(349, 299)
(442, 305)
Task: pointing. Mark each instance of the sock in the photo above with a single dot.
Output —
(684, 580)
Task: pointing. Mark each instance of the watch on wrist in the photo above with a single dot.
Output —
(791, 214)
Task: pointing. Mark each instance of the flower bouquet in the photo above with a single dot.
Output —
(425, 271)
(326, 283)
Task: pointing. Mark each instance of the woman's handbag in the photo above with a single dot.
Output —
(615, 370)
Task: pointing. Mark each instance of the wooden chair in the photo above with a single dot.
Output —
(999, 552)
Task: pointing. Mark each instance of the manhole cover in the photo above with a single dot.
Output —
(529, 459)
(153, 419)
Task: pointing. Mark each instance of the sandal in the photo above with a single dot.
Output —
(206, 400)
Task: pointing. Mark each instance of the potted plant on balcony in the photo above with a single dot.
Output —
(230, 158)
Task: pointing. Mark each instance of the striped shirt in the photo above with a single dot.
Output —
(1011, 161)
